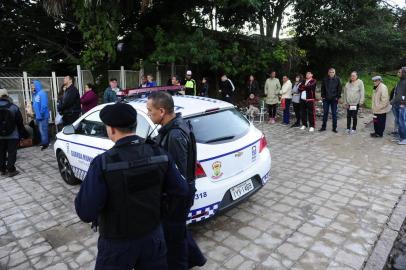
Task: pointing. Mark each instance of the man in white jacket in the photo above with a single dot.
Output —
(286, 99)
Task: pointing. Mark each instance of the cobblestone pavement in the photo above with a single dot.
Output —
(327, 203)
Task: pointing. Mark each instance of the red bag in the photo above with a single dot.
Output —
(283, 104)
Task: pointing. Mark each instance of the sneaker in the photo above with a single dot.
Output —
(395, 140)
(295, 125)
(334, 130)
(352, 132)
(348, 131)
(322, 129)
(11, 174)
(303, 128)
(311, 129)
(402, 142)
(44, 147)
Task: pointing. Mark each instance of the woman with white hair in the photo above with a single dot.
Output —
(353, 98)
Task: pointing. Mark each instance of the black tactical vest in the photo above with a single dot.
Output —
(134, 174)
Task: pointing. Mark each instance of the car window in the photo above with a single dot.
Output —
(143, 127)
(92, 126)
(219, 126)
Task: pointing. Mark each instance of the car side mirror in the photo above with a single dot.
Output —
(69, 130)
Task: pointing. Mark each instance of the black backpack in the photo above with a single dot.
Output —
(7, 120)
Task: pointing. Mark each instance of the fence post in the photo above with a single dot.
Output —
(122, 78)
(172, 69)
(141, 71)
(55, 95)
(26, 87)
(158, 74)
(80, 80)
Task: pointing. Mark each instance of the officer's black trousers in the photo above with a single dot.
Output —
(148, 253)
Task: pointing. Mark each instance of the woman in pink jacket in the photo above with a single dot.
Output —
(89, 98)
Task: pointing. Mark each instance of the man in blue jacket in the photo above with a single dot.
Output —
(123, 192)
(40, 106)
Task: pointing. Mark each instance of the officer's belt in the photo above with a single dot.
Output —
(123, 165)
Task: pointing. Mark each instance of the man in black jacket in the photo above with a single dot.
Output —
(177, 138)
(330, 93)
(227, 89)
(11, 130)
(70, 107)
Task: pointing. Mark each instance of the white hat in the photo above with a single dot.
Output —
(377, 78)
(3, 92)
(189, 72)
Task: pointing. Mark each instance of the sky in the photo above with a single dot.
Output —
(400, 3)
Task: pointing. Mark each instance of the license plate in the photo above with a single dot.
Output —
(241, 189)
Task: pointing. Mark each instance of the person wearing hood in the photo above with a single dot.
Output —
(177, 138)
(380, 106)
(40, 106)
(399, 101)
(11, 130)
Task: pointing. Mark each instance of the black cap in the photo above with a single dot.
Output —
(119, 115)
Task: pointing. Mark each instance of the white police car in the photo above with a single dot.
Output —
(233, 160)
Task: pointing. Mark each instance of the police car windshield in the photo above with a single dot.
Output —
(219, 126)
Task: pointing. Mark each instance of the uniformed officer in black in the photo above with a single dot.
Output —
(123, 191)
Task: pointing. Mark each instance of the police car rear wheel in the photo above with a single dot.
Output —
(66, 170)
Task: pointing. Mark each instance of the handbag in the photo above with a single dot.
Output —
(58, 119)
(25, 143)
(283, 103)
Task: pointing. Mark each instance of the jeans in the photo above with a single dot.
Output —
(43, 130)
(8, 154)
(326, 106)
(286, 112)
(402, 123)
(352, 115)
(395, 110)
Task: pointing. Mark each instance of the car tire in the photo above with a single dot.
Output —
(65, 169)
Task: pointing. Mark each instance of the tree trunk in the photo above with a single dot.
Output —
(279, 26)
(261, 26)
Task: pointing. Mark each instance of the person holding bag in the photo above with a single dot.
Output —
(353, 98)
(286, 99)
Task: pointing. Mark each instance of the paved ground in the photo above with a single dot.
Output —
(327, 203)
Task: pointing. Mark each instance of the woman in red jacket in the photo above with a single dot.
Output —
(89, 98)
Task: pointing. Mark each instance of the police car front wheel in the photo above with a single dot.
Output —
(65, 170)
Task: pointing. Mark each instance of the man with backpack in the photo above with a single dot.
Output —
(177, 138)
(11, 130)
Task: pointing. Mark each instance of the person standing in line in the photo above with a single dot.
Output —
(353, 98)
(190, 84)
(227, 89)
(307, 102)
(144, 81)
(330, 93)
(296, 99)
(395, 108)
(204, 88)
(11, 130)
(70, 107)
(89, 98)
(110, 94)
(272, 89)
(150, 81)
(252, 87)
(123, 195)
(41, 111)
(286, 97)
(399, 100)
(380, 106)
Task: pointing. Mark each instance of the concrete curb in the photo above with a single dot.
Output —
(384, 244)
